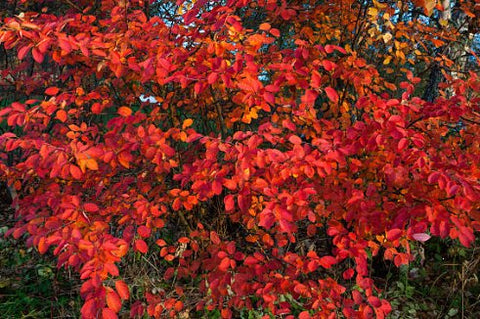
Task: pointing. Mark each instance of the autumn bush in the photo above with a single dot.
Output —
(283, 146)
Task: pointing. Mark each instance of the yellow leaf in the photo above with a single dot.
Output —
(429, 6)
(373, 12)
(82, 164)
(379, 5)
(387, 37)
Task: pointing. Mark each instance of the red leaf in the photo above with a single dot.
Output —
(108, 313)
(22, 52)
(184, 240)
(275, 32)
(465, 235)
(295, 140)
(327, 261)
(433, 177)
(328, 65)
(224, 264)
(312, 265)
(331, 94)
(266, 220)
(288, 124)
(212, 78)
(229, 203)
(394, 234)
(75, 171)
(304, 315)
(88, 309)
(374, 301)
(53, 90)
(348, 274)
(301, 289)
(144, 231)
(309, 97)
(37, 55)
(141, 246)
(122, 289)
(217, 187)
(402, 144)
(214, 238)
(90, 207)
(316, 79)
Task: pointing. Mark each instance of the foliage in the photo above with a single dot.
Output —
(290, 141)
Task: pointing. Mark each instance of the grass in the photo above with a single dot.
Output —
(31, 286)
(441, 283)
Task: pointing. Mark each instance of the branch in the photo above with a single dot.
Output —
(469, 120)
(74, 5)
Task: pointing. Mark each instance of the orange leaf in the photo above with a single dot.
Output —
(169, 257)
(178, 306)
(265, 26)
(187, 123)
(122, 289)
(62, 115)
(91, 164)
(124, 159)
(161, 242)
(113, 300)
(125, 111)
(42, 246)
